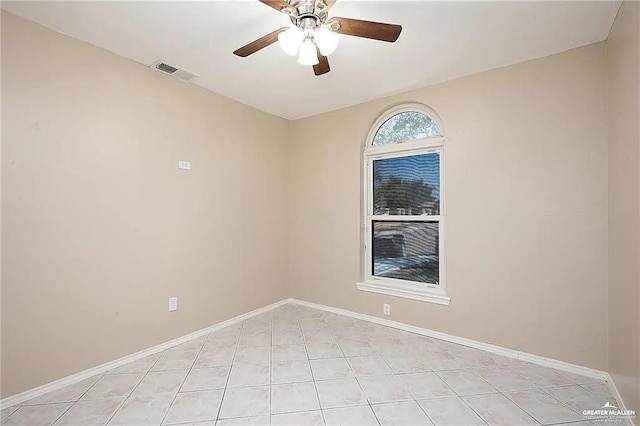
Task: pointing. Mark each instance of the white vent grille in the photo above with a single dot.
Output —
(174, 71)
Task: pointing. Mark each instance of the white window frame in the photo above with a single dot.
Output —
(391, 286)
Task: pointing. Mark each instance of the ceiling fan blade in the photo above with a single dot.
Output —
(281, 6)
(322, 67)
(258, 44)
(366, 29)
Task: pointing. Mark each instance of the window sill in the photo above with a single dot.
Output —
(403, 291)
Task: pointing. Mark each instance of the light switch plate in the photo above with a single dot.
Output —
(184, 165)
(173, 304)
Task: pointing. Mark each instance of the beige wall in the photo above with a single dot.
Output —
(100, 228)
(623, 48)
(526, 189)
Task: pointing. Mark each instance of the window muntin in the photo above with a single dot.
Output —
(404, 206)
(404, 127)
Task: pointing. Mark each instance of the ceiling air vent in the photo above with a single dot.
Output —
(180, 73)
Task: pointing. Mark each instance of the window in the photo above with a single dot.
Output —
(404, 205)
(406, 126)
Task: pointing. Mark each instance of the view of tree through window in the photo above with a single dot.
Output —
(407, 185)
(404, 127)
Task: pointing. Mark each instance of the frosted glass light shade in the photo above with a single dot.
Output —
(308, 53)
(290, 40)
(326, 40)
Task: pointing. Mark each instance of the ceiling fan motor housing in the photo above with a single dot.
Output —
(308, 16)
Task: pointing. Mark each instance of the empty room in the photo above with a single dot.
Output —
(320, 212)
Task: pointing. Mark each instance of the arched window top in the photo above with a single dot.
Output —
(404, 205)
(406, 123)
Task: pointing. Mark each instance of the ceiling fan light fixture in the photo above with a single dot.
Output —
(326, 40)
(308, 53)
(314, 35)
(290, 40)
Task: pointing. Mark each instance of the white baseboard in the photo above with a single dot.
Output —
(536, 359)
(618, 397)
(616, 393)
(103, 368)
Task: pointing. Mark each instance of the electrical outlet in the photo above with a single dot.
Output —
(173, 304)
(386, 309)
(184, 165)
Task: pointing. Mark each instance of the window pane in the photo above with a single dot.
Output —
(407, 185)
(406, 126)
(406, 251)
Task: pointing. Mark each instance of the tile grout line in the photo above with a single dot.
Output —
(12, 413)
(354, 375)
(76, 401)
(465, 402)
(164, 417)
(461, 397)
(543, 389)
(506, 395)
(313, 381)
(561, 402)
(133, 389)
(224, 391)
(270, 365)
(416, 400)
(73, 403)
(444, 382)
(375, 350)
(313, 376)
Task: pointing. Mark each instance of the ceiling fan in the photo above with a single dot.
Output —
(314, 35)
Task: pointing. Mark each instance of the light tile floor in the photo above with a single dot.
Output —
(301, 366)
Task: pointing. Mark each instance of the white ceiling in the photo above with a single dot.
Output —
(440, 41)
